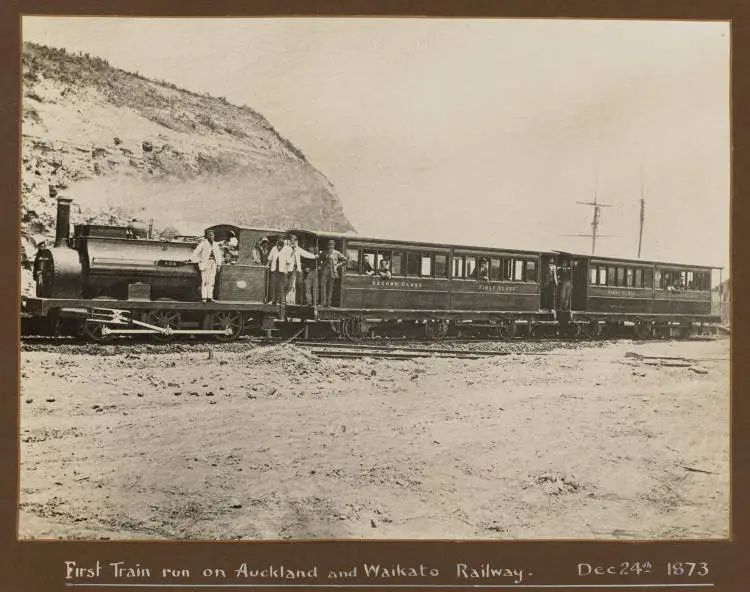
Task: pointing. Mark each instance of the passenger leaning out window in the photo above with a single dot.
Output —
(483, 274)
(385, 269)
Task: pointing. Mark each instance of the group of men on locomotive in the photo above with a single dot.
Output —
(291, 268)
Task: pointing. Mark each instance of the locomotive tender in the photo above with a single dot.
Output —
(106, 281)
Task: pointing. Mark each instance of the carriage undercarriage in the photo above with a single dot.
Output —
(165, 321)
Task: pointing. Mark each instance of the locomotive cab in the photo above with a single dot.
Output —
(243, 275)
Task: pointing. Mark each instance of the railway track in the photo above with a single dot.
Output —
(355, 351)
(397, 349)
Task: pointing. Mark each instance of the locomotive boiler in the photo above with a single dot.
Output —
(113, 262)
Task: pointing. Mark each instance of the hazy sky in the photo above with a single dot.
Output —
(473, 131)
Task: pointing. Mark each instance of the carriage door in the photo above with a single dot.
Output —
(580, 281)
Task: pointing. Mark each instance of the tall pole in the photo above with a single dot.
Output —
(642, 218)
(595, 221)
(640, 232)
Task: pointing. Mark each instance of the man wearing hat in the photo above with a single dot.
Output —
(209, 257)
(259, 254)
(231, 248)
(329, 273)
(565, 275)
(291, 261)
(276, 274)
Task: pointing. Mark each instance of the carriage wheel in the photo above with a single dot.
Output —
(504, 330)
(171, 319)
(227, 321)
(592, 330)
(436, 330)
(683, 331)
(643, 330)
(354, 329)
(93, 332)
(569, 331)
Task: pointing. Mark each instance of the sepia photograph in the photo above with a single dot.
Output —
(374, 278)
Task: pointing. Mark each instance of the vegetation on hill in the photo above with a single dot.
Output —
(124, 146)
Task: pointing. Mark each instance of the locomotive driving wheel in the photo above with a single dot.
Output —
(93, 332)
(436, 330)
(228, 321)
(169, 319)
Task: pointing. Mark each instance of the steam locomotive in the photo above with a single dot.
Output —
(114, 281)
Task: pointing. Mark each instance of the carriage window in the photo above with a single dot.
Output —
(620, 276)
(471, 267)
(611, 276)
(518, 271)
(458, 267)
(531, 271)
(441, 266)
(602, 276)
(425, 269)
(592, 275)
(368, 262)
(629, 277)
(638, 278)
(648, 280)
(352, 263)
(690, 281)
(412, 263)
(658, 279)
(396, 263)
(496, 269)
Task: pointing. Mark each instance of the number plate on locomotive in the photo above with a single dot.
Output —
(169, 263)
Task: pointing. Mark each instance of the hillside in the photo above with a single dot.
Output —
(123, 146)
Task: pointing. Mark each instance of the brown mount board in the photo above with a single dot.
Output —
(31, 566)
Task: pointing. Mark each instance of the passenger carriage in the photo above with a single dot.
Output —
(432, 285)
(650, 296)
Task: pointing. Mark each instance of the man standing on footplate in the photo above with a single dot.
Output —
(208, 254)
(329, 273)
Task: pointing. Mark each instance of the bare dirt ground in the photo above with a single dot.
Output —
(583, 441)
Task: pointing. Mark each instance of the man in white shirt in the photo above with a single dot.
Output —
(291, 256)
(276, 274)
(209, 256)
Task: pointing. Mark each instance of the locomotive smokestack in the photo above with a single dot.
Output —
(62, 230)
